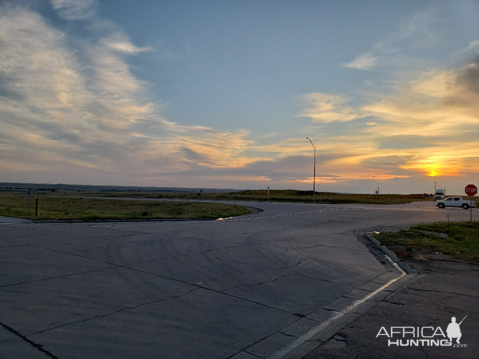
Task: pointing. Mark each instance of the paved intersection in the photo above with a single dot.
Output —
(234, 288)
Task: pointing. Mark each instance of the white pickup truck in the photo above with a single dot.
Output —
(455, 202)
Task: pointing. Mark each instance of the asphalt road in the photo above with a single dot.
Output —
(236, 288)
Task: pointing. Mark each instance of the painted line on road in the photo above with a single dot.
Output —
(288, 350)
(235, 219)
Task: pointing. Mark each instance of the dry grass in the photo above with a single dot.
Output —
(274, 196)
(462, 240)
(16, 204)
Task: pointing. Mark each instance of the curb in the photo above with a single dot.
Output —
(341, 316)
(255, 210)
(126, 220)
(404, 266)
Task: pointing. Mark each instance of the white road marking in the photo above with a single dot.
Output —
(284, 214)
(320, 327)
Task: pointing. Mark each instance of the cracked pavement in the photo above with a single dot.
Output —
(237, 288)
(445, 288)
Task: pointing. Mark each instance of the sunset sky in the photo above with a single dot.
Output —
(219, 93)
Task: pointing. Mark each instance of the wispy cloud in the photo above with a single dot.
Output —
(71, 105)
(328, 108)
(431, 122)
(362, 62)
(75, 9)
(473, 47)
(121, 43)
(416, 31)
(81, 109)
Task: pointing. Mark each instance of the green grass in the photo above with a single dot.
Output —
(462, 241)
(274, 196)
(67, 208)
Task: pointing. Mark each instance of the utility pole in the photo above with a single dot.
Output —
(314, 168)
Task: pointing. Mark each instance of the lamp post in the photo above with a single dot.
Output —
(314, 167)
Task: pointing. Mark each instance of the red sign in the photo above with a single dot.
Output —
(471, 190)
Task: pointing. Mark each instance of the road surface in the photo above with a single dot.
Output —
(244, 287)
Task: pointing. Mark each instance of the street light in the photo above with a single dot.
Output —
(314, 167)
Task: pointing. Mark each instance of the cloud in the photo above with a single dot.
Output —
(429, 125)
(327, 108)
(419, 30)
(468, 78)
(439, 102)
(75, 9)
(473, 47)
(80, 110)
(289, 169)
(72, 109)
(121, 43)
(267, 135)
(216, 149)
(362, 62)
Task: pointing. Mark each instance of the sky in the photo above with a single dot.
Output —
(222, 94)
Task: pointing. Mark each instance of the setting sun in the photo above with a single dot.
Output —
(435, 167)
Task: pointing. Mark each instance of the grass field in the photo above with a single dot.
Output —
(274, 196)
(16, 204)
(462, 240)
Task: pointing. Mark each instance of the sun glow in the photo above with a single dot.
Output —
(434, 167)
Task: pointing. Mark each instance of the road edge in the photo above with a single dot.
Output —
(324, 331)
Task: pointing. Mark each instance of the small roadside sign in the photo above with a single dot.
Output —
(471, 190)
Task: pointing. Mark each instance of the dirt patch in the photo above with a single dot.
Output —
(411, 255)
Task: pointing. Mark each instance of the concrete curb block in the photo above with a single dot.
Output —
(390, 253)
(407, 268)
(374, 240)
(404, 266)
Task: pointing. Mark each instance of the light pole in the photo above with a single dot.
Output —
(314, 167)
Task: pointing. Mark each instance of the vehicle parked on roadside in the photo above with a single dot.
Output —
(440, 194)
(455, 202)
